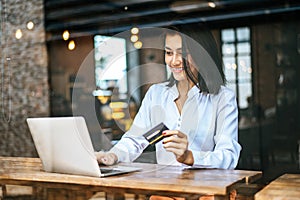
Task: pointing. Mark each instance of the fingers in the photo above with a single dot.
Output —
(175, 138)
(174, 132)
(106, 158)
(110, 159)
(99, 155)
(176, 151)
(175, 142)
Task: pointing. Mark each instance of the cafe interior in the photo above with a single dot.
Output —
(55, 62)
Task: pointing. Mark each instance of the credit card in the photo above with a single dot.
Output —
(155, 135)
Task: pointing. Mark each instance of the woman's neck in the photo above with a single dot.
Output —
(184, 86)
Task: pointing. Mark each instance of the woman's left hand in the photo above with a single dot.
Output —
(177, 142)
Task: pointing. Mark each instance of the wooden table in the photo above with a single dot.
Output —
(153, 179)
(286, 187)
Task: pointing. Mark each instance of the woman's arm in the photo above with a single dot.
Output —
(227, 149)
(132, 142)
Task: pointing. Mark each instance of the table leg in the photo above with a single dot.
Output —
(4, 192)
(114, 196)
(61, 194)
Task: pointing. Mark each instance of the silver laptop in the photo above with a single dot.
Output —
(64, 146)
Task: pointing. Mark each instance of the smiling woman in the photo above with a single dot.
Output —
(194, 104)
(200, 112)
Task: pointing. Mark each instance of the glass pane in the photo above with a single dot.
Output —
(238, 58)
(228, 49)
(245, 90)
(243, 48)
(228, 35)
(230, 68)
(111, 64)
(243, 34)
(231, 86)
(244, 69)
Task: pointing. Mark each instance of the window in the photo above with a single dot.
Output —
(110, 63)
(236, 53)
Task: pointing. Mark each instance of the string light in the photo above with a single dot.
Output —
(19, 34)
(30, 25)
(66, 35)
(134, 30)
(211, 4)
(134, 38)
(71, 45)
(138, 44)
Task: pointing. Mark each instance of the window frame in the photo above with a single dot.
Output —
(237, 82)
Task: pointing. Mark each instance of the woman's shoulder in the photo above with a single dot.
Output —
(224, 93)
(159, 87)
(226, 90)
(157, 91)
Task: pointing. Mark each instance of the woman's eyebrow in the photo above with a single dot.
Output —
(168, 48)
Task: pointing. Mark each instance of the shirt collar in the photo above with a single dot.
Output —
(174, 91)
(193, 91)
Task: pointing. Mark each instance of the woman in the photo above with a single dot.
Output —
(194, 104)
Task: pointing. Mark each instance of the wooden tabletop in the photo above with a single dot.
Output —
(153, 179)
(286, 187)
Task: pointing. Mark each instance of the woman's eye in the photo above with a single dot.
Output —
(169, 53)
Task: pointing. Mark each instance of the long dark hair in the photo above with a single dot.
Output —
(199, 42)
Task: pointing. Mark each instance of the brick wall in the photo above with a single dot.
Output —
(24, 74)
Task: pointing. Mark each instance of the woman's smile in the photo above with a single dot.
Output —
(177, 69)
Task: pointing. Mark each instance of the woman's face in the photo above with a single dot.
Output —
(173, 56)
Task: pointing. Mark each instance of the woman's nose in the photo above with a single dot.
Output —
(176, 59)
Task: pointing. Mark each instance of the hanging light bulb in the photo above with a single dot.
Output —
(134, 38)
(30, 25)
(66, 35)
(138, 44)
(211, 4)
(18, 34)
(71, 45)
(135, 30)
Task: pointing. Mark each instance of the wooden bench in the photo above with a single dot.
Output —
(286, 187)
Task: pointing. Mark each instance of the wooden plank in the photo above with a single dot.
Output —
(286, 187)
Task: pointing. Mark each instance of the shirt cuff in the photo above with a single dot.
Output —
(121, 152)
(199, 158)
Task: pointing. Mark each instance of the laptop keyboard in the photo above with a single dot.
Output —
(108, 170)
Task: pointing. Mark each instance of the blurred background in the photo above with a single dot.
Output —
(55, 59)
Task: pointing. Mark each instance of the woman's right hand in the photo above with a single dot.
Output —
(106, 158)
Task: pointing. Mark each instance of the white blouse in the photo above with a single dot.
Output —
(210, 122)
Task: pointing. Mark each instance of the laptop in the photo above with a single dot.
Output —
(64, 146)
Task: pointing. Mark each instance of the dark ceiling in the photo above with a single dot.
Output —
(88, 17)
